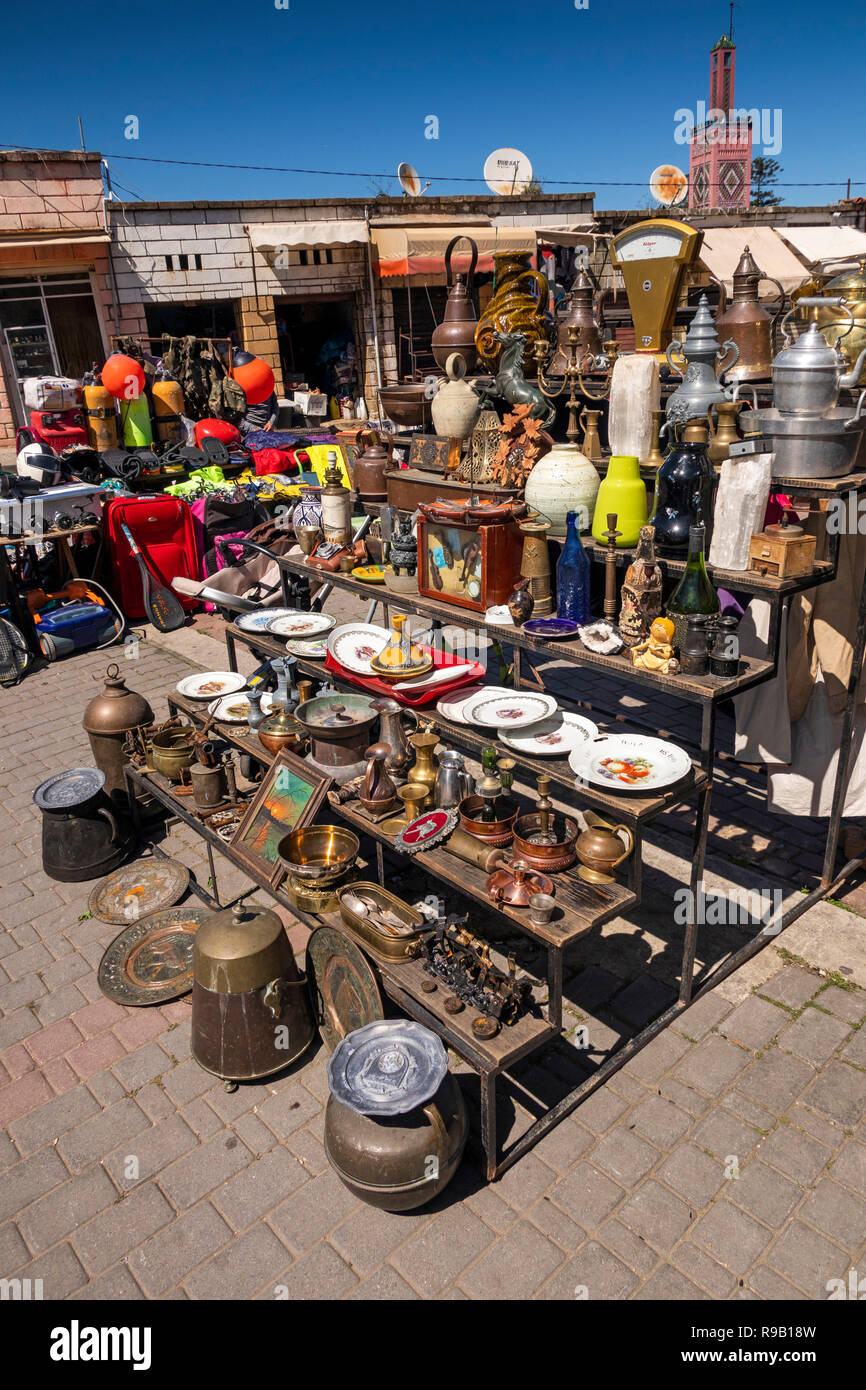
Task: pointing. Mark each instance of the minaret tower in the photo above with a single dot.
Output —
(720, 151)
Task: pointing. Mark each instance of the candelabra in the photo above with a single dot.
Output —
(576, 363)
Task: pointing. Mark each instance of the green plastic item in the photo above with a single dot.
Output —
(135, 423)
(622, 491)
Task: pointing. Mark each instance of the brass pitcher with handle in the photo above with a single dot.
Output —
(600, 849)
(746, 322)
(724, 433)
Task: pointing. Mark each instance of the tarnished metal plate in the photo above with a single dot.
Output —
(343, 985)
(150, 962)
(387, 1068)
(137, 890)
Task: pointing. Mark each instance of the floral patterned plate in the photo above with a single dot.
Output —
(297, 624)
(258, 621)
(235, 709)
(209, 684)
(451, 706)
(314, 650)
(630, 763)
(551, 738)
(512, 711)
(355, 644)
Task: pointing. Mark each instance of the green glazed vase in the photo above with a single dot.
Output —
(622, 491)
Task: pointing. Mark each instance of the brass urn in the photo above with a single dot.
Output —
(108, 718)
(746, 322)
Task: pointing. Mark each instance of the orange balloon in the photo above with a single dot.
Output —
(256, 378)
(123, 377)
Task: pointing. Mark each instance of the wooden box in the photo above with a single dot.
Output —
(472, 566)
(781, 556)
(409, 486)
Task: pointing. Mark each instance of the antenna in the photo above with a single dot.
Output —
(507, 171)
(668, 185)
(81, 133)
(410, 182)
(732, 7)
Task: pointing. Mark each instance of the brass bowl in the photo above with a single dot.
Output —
(173, 751)
(498, 832)
(551, 859)
(318, 853)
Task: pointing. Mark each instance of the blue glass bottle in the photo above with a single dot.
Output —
(572, 576)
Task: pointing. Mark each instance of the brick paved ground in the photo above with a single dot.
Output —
(727, 1160)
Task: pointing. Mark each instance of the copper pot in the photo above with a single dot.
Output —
(456, 332)
(498, 832)
(517, 884)
(600, 849)
(553, 858)
(108, 718)
(747, 324)
(280, 730)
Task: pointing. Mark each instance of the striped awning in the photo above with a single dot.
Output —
(421, 250)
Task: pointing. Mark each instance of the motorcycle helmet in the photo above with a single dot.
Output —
(38, 462)
(217, 429)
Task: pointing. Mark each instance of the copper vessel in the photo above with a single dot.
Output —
(851, 284)
(600, 849)
(456, 332)
(746, 322)
(369, 468)
(583, 315)
(498, 832)
(280, 730)
(547, 845)
(517, 884)
(108, 718)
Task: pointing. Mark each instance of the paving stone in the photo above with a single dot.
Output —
(18, 994)
(552, 1221)
(523, 1184)
(627, 1245)
(723, 1134)
(385, 1285)
(154, 1102)
(587, 1195)
(776, 1080)
(120, 1228)
(683, 1096)
(642, 1001)
(712, 1065)
(252, 1262)
(259, 1140)
(43, 1126)
(487, 1204)
(693, 1175)
(702, 1016)
(13, 1251)
(59, 1004)
(772, 1286)
(141, 1027)
(54, 1041)
(625, 1156)
(754, 1023)
(707, 1272)
(849, 1004)
(367, 1237)
(186, 1082)
(312, 1212)
(95, 1055)
(660, 1121)
(54, 1216)
(795, 1153)
(21, 1096)
(59, 1270)
(839, 1092)
(438, 1253)
(656, 1215)
(258, 1188)
(115, 1284)
(764, 1193)
(202, 1120)
(514, 1267)
(856, 1050)
(850, 1167)
(836, 1212)
(734, 1239)
(96, 1018)
(792, 986)
(288, 1111)
(749, 1110)
(320, 1274)
(668, 1284)
(658, 1057)
(808, 1259)
(91, 1141)
(135, 1069)
(104, 1086)
(601, 1110)
(17, 1026)
(592, 987)
(210, 1165)
(593, 1274)
(815, 1036)
(17, 1061)
(170, 1255)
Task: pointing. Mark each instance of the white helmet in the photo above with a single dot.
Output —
(37, 461)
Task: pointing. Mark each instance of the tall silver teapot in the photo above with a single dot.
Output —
(700, 354)
(807, 374)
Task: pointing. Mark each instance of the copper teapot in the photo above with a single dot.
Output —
(369, 468)
(600, 849)
(584, 315)
(746, 322)
(456, 332)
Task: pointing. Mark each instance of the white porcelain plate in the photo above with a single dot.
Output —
(297, 624)
(452, 706)
(355, 644)
(314, 650)
(235, 709)
(630, 763)
(208, 684)
(551, 738)
(513, 710)
(258, 621)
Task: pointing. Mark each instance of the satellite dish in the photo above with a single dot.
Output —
(409, 180)
(668, 185)
(507, 171)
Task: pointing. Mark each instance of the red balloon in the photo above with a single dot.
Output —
(217, 429)
(256, 378)
(123, 377)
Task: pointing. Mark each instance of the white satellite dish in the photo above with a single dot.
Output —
(409, 180)
(507, 171)
(668, 185)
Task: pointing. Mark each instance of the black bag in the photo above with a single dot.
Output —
(225, 516)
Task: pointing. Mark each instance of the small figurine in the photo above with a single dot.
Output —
(656, 653)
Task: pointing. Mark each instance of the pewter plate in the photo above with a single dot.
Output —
(150, 962)
(387, 1068)
(134, 892)
(70, 788)
(550, 738)
(512, 711)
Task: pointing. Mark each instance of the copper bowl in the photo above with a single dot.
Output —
(406, 404)
(551, 859)
(496, 832)
(319, 854)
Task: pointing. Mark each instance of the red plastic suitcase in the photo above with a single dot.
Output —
(163, 528)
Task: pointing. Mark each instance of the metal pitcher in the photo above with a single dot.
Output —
(700, 355)
(747, 322)
(453, 782)
(807, 374)
(392, 732)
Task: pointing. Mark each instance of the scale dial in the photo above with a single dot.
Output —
(653, 257)
(658, 239)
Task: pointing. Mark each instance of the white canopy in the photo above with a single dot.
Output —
(723, 246)
(268, 236)
(827, 242)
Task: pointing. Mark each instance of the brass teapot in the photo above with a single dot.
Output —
(725, 432)
(600, 849)
(745, 322)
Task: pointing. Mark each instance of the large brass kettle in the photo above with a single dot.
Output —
(746, 322)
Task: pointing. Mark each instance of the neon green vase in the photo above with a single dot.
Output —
(622, 491)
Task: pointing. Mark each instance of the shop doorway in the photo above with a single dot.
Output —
(318, 341)
(48, 327)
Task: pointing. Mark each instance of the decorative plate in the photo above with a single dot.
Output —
(209, 684)
(343, 985)
(387, 1068)
(134, 892)
(452, 706)
(72, 788)
(258, 622)
(297, 624)
(426, 830)
(630, 763)
(373, 574)
(151, 961)
(355, 644)
(313, 651)
(512, 711)
(550, 738)
(235, 709)
(551, 629)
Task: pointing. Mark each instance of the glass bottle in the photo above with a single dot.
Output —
(572, 576)
(489, 785)
(684, 489)
(695, 592)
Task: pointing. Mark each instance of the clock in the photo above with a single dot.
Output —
(653, 257)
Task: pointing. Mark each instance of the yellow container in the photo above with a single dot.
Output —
(623, 492)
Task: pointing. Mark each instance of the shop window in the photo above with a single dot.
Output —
(302, 258)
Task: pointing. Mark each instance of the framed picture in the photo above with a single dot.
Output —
(290, 795)
(429, 452)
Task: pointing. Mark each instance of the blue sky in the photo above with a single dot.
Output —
(589, 95)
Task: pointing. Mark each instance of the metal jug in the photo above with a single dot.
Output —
(700, 354)
(392, 732)
(584, 315)
(456, 332)
(746, 322)
(453, 782)
(807, 374)
(108, 718)
(251, 1013)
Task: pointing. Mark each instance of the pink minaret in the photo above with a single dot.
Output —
(720, 151)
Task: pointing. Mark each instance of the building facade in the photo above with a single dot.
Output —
(720, 150)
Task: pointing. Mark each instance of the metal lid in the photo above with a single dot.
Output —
(336, 711)
(67, 789)
(241, 949)
(850, 279)
(387, 1068)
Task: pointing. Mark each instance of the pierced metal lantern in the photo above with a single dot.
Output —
(477, 466)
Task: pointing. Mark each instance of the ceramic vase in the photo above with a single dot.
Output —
(563, 481)
(622, 491)
(455, 408)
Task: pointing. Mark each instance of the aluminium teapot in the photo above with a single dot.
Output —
(807, 374)
(700, 353)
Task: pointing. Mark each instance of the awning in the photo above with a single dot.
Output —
(69, 238)
(421, 250)
(818, 245)
(270, 236)
(554, 231)
(723, 246)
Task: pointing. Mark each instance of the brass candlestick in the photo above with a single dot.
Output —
(577, 360)
(610, 536)
(655, 457)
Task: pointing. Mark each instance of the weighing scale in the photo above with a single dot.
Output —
(653, 257)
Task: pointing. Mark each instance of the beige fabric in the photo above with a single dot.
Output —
(269, 236)
(419, 250)
(723, 246)
(817, 245)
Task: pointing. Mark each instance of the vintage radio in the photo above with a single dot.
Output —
(472, 566)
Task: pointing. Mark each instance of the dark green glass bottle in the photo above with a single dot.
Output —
(695, 592)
